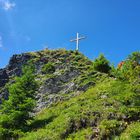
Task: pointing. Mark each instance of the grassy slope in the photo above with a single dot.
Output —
(107, 110)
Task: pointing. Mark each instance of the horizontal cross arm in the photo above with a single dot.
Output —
(73, 40)
(81, 38)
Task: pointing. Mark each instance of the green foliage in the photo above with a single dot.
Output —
(132, 66)
(110, 128)
(48, 68)
(132, 132)
(135, 57)
(128, 70)
(108, 110)
(78, 57)
(101, 64)
(16, 110)
(104, 111)
(81, 134)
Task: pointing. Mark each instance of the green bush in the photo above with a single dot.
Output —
(78, 57)
(48, 68)
(101, 64)
(132, 132)
(130, 70)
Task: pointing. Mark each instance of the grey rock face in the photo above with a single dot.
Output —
(58, 86)
(4, 95)
(3, 77)
(54, 87)
(58, 83)
(15, 64)
(14, 68)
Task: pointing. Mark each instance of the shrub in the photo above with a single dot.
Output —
(48, 68)
(132, 132)
(78, 57)
(131, 68)
(110, 128)
(101, 64)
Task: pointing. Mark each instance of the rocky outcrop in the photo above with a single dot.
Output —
(4, 95)
(54, 88)
(14, 68)
(3, 77)
(59, 85)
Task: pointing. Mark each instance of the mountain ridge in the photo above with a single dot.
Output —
(75, 97)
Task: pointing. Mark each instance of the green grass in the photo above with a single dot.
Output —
(104, 107)
(82, 134)
(109, 110)
(132, 132)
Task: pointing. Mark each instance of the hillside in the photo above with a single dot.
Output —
(76, 99)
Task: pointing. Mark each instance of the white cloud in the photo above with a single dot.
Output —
(1, 44)
(7, 5)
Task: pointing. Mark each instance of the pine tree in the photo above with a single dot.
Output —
(15, 112)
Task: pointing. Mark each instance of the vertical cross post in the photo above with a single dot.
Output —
(77, 41)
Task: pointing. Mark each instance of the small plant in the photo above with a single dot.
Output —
(101, 64)
(48, 68)
(78, 57)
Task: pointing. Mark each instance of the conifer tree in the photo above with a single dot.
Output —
(15, 112)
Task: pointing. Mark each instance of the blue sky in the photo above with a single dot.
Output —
(112, 27)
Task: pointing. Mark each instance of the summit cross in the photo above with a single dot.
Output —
(77, 41)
